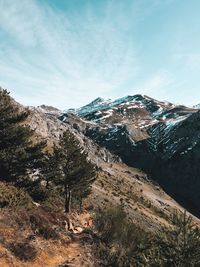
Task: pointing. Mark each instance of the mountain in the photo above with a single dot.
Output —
(96, 104)
(134, 142)
(158, 137)
(110, 143)
(116, 180)
(107, 142)
(49, 109)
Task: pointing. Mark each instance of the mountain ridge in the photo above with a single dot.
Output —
(157, 136)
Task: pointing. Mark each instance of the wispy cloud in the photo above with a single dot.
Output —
(158, 82)
(51, 55)
(65, 53)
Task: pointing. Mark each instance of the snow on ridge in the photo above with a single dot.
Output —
(96, 105)
(101, 104)
(172, 122)
(189, 148)
(108, 113)
(158, 112)
(146, 124)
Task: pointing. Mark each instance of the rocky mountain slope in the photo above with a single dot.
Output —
(117, 137)
(117, 183)
(158, 137)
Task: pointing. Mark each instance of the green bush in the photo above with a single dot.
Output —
(11, 196)
(42, 227)
(124, 244)
(37, 192)
(177, 246)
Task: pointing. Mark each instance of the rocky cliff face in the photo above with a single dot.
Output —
(48, 125)
(159, 137)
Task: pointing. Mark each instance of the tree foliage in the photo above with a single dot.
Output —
(178, 246)
(72, 170)
(19, 156)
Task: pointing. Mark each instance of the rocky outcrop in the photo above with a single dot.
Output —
(49, 126)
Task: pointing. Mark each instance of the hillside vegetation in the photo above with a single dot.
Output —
(63, 205)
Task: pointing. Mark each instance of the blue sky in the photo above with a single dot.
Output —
(65, 53)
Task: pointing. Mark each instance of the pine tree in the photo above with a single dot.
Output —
(178, 246)
(75, 173)
(49, 170)
(19, 156)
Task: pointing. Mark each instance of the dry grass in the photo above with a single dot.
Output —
(38, 237)
(145, 202)
(42, 228)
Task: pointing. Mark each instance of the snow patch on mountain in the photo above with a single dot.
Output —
(96, 105)
(173, 122)
(99, 104)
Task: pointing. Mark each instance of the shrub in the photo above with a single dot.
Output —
(35, 190)
(23, 250)
(121, 240)
(11, 196)
(124, 244)
(177, 246)
(41, 226)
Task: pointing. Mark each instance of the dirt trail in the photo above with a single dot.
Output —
(72, 255)
(50, 253)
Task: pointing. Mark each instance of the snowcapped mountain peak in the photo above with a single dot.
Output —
(97, 104)
(104, 110)
(100, 104)
(128, 98)
(98, 101)
(139, 110)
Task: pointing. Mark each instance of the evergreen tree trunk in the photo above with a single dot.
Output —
(67, 199)
(81, 204)
(47, 184)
